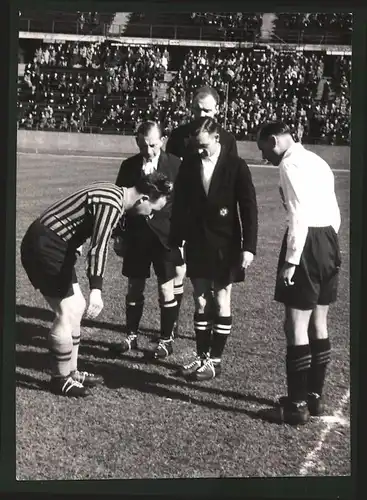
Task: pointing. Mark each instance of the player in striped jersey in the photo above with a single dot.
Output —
(49, 252)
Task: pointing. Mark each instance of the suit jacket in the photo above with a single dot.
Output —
(179, 145)
(225, 218)
(130, 171)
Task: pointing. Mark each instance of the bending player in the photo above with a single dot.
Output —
(49, 252)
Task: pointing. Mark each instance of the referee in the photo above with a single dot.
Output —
(308, 269)
(49, 252)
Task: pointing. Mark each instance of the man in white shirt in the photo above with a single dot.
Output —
(308, 268)
(215, 212)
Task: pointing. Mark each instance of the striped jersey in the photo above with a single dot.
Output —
(91, 212)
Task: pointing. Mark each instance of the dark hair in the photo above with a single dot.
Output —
(204, 124)
(145, 127)
(205, 91)
(154, 185)
(272, 128)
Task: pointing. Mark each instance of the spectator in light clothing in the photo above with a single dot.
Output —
(308, 270)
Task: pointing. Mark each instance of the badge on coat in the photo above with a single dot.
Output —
(223, 212)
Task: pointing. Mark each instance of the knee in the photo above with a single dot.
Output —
(200, 303)
(223, 304)
(135, 291)
(180, 274)
(166, 291)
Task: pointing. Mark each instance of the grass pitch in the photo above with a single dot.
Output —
(144, 422)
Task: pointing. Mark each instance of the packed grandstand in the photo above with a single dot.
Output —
(108, 86)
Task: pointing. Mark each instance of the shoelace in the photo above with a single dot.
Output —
(70, 383)
(208, 363)
(83, 375)
(193, 363)
(130, 338)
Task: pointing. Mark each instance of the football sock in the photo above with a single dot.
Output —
(298, 362)
(178, 291)
(203, 329)
(221, 330)
(134, 312)
(75, 351)
(60, 347)
(321, 353)
(168, 318)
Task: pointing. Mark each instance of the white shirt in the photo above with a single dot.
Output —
(151, 165)
(207, 169)
(308, 186)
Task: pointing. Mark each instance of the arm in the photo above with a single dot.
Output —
(292, 186)
(106, 218)
(247, 208)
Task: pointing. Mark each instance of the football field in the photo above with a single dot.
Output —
(145, 422)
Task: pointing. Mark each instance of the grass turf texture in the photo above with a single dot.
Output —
(145, 422)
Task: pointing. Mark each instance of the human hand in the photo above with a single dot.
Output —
(286, 274)
(95, 304)
(247, 258)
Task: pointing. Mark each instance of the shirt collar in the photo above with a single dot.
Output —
(297, 146)
(214, 158)
(153, 162)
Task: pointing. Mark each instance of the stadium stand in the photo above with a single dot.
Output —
(105, 88)
(333, 28)
(96, 23)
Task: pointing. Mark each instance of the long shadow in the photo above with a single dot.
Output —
(130, 378)
(30, 334)
(117, 376)
(28, 312)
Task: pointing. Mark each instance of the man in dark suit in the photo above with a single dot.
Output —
(145, 242)
(205, 104)
(215, 212)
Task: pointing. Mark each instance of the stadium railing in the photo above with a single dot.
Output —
(177, 32)
(129, 130)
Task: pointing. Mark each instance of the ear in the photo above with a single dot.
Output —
(273, 140)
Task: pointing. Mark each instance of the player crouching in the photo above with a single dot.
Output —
(49, 252)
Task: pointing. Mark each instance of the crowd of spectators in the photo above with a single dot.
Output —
(231, 24)
(78, 86)
(317, 21)
(268, 85)
(315, 27)
(75, 79)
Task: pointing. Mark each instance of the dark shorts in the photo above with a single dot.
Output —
(48, 261)
(316, 277)
(143, 251)
(220, 265)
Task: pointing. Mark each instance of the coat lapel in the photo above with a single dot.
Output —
(163, 164)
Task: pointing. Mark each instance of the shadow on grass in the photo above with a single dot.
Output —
(46, 315)
(118, 376)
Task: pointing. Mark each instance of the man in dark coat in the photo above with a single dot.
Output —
(215, 212)
(145, 242)
(205, 104)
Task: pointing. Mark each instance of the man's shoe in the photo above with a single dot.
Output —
(163, 349)
(127, 344)
(67, 386)
(287, 412)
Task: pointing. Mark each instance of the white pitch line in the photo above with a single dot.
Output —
(332, 421)
(271, 167)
